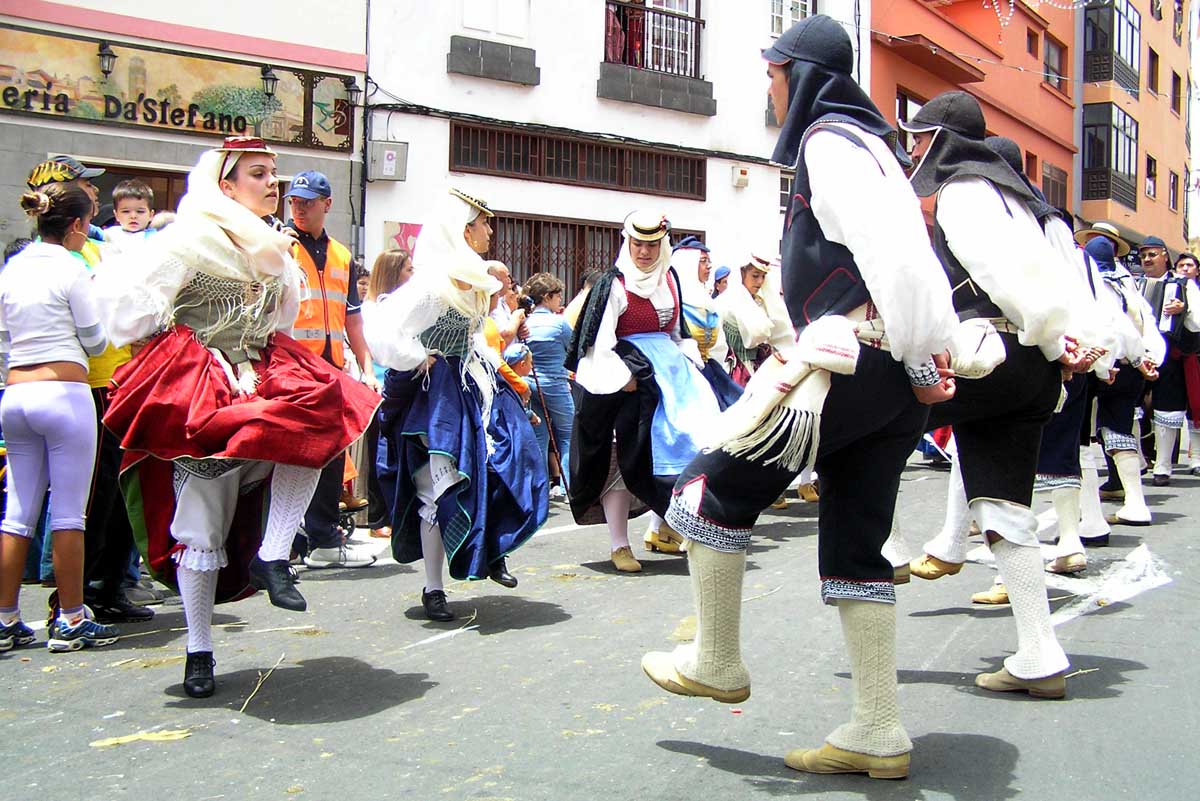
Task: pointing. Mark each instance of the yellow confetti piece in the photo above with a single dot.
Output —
(294, 789)
(50, 669)
(164, 736)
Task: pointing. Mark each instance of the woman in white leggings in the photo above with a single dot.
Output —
(48, 327)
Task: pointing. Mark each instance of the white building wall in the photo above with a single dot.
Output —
(568, 37)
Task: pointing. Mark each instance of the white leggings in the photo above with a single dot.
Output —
(50, 432)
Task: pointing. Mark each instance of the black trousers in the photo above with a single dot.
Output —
(377, 509)
(107, 535)
(321, 519)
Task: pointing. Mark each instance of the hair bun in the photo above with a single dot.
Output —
(35, 203)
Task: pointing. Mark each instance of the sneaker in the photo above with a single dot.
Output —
(14, 635)
(85, 634)
(338, 556)
(557, 493)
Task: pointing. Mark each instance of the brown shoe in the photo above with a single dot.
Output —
(659, 666)
(382, 533)
(665, 540)
(930, 567)
(828, 759)
(1066, 565)
(996, 596)
(623, 560)
(809, 492)
(1004, 682)
(780, 502)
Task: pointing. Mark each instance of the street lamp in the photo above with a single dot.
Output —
(107, 58)
(269, 81)
(353, 92)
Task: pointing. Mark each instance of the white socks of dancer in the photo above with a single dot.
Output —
(433, 554)
(1193, 448)
(1092, 523)
(616, 503)
(1038, 653)
(715, 657)
(292, 488)
(874, 728)
(1066, 509)
(198, 591)
(1164, 449)
(1129, 470)
(950, 544)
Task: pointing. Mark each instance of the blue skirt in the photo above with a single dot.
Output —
(724, 387)
(498, 502)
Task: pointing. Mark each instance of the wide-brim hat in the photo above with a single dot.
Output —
(244, 144)
(478, 204)
(761, 262)
(1108, 231)
(646, 226)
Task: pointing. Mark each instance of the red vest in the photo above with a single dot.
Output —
(640, 316)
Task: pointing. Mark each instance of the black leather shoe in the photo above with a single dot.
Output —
(198, 681)
(120, 610)
(1095, 542)
(276, 578)
(1161, 481)
(434, 602)
(498, 572)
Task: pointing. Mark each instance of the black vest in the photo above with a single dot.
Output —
(1156, 295)
(970, 301)
(819, 276)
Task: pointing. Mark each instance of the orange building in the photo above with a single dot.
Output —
(1019, 71)
(1134, 138)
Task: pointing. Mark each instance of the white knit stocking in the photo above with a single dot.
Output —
(433, 553)
(1164, 449)
(874, 728)
(1092, 523)
(655, 522)
(950, 544)
(715, 657)
(292, 488)
(616, 504)
(1194, 447)
(1129, 470)
(198, 591)
(1038, 652)
(1066, 508)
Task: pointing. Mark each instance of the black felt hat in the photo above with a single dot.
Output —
(817, 39)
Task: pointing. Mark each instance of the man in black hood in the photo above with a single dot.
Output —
(857, 264)
(1001, 268)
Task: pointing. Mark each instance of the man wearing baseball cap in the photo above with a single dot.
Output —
(69, 170)
(329, 318)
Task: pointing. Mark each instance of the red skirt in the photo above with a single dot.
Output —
(173, 400)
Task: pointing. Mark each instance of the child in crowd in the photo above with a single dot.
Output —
(518, 357)
(133, 206)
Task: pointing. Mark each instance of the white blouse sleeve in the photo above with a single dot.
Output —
(135, 292)
(1154, 346)
(751, 319)
(601, 371)
(289, 299)
(393, 324)
(1001, 246)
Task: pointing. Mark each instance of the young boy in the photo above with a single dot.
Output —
(133, 206)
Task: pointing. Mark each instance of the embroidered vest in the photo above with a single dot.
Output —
(640, 316)
(819, 277)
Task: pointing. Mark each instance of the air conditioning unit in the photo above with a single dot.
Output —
(741, 176)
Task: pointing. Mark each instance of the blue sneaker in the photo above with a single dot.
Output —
(15, 635)
(86, 634)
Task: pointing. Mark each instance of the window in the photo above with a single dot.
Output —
(567, 248)
(1151, 176)
(508, 18)
(1128, 32)
(1110, 154)
(1151, 70)
(1112, 43)
(516, 153)
(907, 107)
(1156, 9)
(1031, 165)
(1054, 185)
(663, 35)
(1055, 65)
(1173, 191)
(1031, 42)
(786, 179)
(786, 13)
(1176, 93)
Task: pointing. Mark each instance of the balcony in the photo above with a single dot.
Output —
(1105, 65)
(1105, 184)
(652, 57)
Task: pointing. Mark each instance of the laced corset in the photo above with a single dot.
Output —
(236, 317)
(450, 334)
(706, 338)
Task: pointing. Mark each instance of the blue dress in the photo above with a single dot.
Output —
(500, 499)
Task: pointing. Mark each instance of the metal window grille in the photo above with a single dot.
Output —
(663, 36)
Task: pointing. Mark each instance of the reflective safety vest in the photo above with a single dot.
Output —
(322, 317)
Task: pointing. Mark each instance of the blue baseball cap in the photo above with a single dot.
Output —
(690, 242)
(309, 185)
(722, 272)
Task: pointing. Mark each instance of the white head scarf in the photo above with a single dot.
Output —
(269, 250)
(641, 283)
(442, 253)
(697, 295)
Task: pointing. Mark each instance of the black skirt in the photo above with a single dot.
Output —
(1058, 457)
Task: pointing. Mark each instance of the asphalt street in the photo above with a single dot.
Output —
(536, 693)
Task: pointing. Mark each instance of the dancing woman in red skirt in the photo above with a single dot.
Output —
(225, 420)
